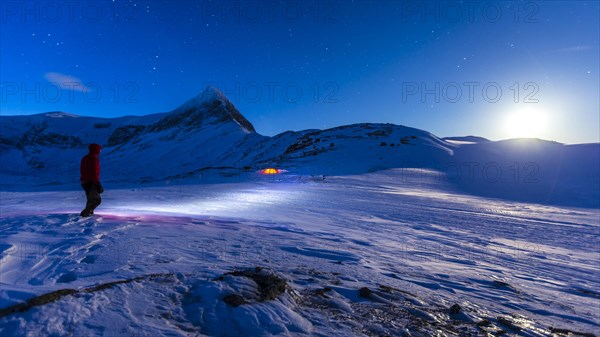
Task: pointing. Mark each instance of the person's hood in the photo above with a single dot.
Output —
(95, 149)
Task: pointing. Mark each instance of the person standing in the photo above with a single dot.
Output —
(90, 179)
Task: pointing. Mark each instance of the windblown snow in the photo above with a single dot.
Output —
(433, 262)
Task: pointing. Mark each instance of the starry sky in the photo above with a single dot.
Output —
(496, 69)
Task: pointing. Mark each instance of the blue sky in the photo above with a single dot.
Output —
(497, 69)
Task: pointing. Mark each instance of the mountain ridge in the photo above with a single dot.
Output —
(206, 139)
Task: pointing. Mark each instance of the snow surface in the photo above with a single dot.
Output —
(419, 246)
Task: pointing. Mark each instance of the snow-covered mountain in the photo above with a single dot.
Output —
(466, 139)
(207, 139)
(391, 245)
(207, 132)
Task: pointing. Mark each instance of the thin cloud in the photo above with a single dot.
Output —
(66, 82)
(576, 48)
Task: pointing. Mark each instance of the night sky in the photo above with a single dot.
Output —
(438, 66)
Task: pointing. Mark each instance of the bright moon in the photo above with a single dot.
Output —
(527, 121)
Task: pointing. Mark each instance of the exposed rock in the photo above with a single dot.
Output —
(211, 107)
(37, 135)
(234, 300)
(34, 163)
(6, 144)
(568, 332)
(124, 134)
(190, 118)
(455, 309)
(268, 284)
(508, 323)
(61, 293)
(322, 292)
(102, 125)
(365, 292)
(380, 133)
(484, 322)
(302, 143)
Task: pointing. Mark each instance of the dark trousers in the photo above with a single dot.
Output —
(93, 198)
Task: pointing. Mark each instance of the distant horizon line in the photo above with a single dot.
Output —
(441, 137)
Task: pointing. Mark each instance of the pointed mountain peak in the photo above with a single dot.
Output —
(211, 93)
(212, 103)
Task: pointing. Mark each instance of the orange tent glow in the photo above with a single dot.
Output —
(270, 170)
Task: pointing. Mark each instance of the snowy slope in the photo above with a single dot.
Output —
(530, 170)
(466, 139)
(207, 140)
(207, 132)
(204, 131)
(361, 148)
(39, 149)
(429, 262)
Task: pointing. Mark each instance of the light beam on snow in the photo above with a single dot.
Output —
(226, 203)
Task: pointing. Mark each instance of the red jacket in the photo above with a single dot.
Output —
(90, 166)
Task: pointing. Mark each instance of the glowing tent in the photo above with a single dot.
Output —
(270, 170)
